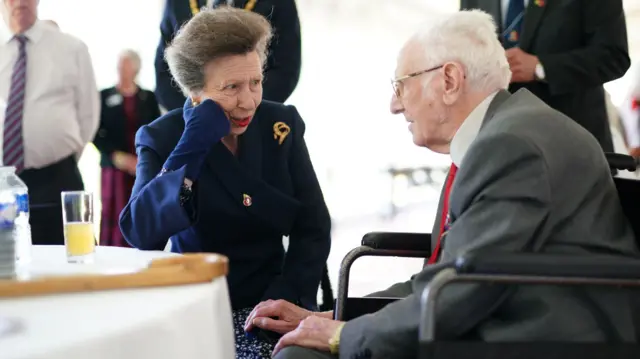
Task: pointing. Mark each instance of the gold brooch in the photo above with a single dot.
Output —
(280, 131)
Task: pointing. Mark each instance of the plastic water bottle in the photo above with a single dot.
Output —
(22, 231)
(8, 215)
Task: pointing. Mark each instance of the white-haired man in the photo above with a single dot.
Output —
(512, 188)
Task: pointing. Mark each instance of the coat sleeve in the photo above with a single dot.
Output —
(168, 94)
(102, 139)
(285, 58)
(499, 205)
(604, 56)
(310, 238)
(154, 212)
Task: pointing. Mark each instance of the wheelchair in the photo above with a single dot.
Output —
(511, 269)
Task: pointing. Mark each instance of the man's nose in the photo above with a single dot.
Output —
(396, 105)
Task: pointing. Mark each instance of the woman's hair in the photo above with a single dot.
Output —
(211, 34)
(133, 56)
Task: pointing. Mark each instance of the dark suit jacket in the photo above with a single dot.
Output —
(581, 44)
(526, 199)
(286, 200)
(282, 70)
(112, 134)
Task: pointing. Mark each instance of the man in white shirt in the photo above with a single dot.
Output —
(49, 111)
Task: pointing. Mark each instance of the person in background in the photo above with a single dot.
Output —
(282, 69)
(563, 52)
(511, 189)
(230, 173)
(49, 108)
(124, 109)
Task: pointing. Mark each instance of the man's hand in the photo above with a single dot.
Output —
(635, 152)
(287, 315)
(523, 65)
(313, 332)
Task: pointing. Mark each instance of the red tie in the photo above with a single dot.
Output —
(445, 220)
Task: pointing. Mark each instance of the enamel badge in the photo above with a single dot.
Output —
(246, 200)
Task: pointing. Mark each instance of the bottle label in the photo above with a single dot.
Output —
(22, 202)
(8, 213)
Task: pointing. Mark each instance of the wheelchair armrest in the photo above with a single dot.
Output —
(550, 265)
(620, 161)
(398, 241)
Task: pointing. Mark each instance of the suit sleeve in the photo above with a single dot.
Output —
(153, 213)
(310, 238)
(605, 56)
(285, 58)
(168, 94)
(102, 139)
(499, 205)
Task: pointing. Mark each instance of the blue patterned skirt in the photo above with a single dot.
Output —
(247, 346)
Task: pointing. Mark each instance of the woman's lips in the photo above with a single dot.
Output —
(241, 122)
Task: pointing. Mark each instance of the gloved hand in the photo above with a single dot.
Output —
(205, 125)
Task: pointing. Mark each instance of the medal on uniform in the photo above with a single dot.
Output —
(246, 200)
(513, 36)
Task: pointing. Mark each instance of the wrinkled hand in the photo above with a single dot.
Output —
(287, 315)
(313, 332)
(205, 124)
(522, 65)
(635, 152)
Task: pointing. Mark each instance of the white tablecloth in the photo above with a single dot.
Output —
(185, 322)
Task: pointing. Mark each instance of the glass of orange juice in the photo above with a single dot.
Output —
(77, 219)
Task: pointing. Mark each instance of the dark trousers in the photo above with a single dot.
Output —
(45, 206)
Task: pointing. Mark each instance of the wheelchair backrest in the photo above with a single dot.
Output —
(629, 193)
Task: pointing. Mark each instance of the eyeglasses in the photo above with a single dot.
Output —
(395, 83)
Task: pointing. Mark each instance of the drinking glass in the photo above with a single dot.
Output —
(77, 219)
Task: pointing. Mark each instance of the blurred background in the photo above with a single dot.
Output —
(349, 53)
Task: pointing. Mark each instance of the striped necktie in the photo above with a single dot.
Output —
(13, 146)
(513, 23)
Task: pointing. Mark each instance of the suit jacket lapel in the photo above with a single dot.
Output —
(532, 18)
(250, 150)
(242, 178)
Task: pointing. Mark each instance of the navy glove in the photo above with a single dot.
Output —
(205, 125)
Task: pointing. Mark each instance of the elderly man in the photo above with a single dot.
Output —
(49, 109)
(512, 188)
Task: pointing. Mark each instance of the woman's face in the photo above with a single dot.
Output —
(235, 83)
(127, 70)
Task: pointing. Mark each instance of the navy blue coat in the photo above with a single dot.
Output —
(282, 70)
(285, 200)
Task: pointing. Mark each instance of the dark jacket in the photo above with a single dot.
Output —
(282, 70)
(581, 44)
(284, 199)
(112, 134)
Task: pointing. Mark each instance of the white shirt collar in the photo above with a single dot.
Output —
(33, 34)
(468, 131)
